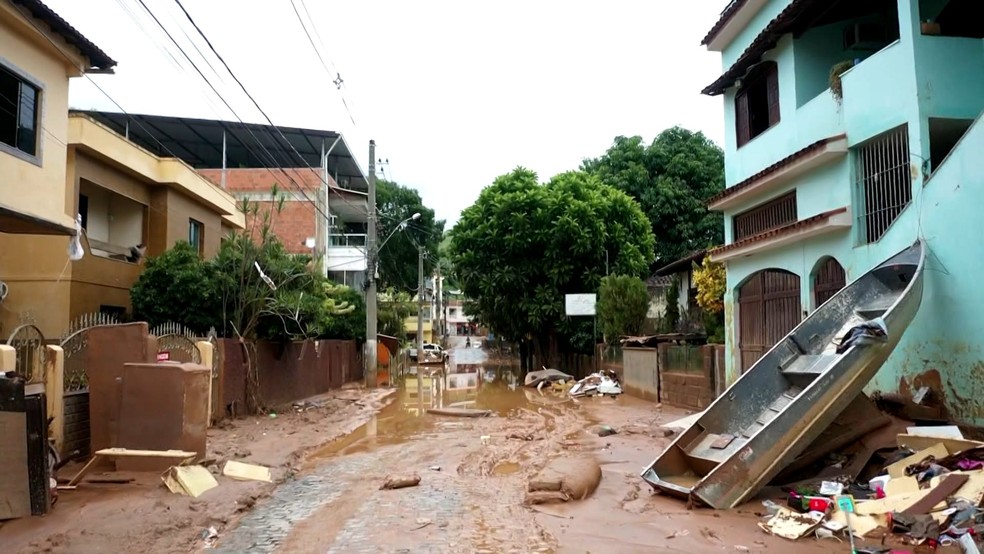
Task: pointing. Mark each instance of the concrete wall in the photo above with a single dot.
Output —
(24, 51)
(286, 372)
(687, 375)
(640, 377)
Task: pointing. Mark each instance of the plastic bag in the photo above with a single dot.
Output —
(75, 250)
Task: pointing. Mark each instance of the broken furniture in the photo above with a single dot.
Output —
(113, 454)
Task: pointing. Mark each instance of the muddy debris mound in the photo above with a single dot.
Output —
(564, 479)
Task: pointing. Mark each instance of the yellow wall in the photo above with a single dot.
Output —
(38, 275)
(410, 326)
(27, 52)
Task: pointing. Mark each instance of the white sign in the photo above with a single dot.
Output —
(580, 304)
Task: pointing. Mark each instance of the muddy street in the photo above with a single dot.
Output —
(474, 475)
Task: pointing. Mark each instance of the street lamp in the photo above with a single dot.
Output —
(403, 225)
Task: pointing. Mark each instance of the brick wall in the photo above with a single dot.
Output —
(687, 375)
(296, 221)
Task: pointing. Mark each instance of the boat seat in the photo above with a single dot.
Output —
(875, 309)
(810, 364)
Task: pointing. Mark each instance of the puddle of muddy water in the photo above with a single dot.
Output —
(506, 468)
(463, 382)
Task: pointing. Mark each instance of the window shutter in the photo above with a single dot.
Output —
(741, 119)
(772, 85)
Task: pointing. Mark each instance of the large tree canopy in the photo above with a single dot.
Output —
(672, 178)
(398, 259)
(522, 246)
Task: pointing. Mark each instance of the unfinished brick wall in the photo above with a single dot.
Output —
(295, 222)
(687, 375)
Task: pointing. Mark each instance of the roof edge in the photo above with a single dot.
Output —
(99, 61)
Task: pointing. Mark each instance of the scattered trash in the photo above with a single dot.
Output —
(603, 430)
(400, 482)
(831, 488)
(246, 472)
(421, 523)
(604, 383)
(522, 437)
(486, 439)
(533, 378)
(741, 548)
(209, 536)
(273, 415)
(678, 533)
(189, 480)
(435, 468)
(459, 412)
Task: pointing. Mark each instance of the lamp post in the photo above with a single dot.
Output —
(372, 271)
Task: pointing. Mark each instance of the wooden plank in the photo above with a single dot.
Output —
(111, 452)
(85, 469)
(921, 443)
(948, 486)
(897, 469)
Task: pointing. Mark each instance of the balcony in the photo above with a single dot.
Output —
(346, 252)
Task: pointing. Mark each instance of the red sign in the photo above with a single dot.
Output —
(163, 356)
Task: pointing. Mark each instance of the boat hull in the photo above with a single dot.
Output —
(774, 411)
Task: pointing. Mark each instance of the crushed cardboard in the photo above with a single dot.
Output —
(190, 481)
(246, 472)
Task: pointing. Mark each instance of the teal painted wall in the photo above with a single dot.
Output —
(915, 78)
(769, 12)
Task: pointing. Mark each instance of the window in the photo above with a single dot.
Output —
(768, 216)
(884, 181)
(757, 102)
(18, 113)
(196, 235)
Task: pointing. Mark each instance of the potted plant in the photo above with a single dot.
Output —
(835, 78)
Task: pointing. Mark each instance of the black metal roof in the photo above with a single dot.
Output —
(199, 143)
(38, 10)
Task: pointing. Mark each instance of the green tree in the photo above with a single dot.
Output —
(522, 246)
(671, 320)
(672, 178)
(398, 260)
(177, 286)
(623, 303)
(394, 308)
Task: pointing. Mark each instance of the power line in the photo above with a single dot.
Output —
(338, 77)
(252, 99)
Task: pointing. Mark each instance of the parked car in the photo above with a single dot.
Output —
(430, 348)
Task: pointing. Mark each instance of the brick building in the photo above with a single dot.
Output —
(325, 211)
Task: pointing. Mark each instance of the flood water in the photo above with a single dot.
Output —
(465, 381)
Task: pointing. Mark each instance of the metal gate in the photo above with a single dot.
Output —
(176, 343)
(28, 341)
(768, 308)
(828, 281)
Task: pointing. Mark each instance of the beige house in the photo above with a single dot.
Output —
(56, 166)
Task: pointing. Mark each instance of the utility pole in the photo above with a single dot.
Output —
(438, 289)
(420, 304)
(371, 255)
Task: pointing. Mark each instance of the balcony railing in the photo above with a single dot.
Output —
(347, 240)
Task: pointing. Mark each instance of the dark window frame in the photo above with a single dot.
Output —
(13, 148)
(198, 244)
(757, 103)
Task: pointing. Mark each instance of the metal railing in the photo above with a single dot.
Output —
(884, 181)
(347, 240)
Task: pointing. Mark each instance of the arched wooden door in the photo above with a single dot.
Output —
(828, 280)
(768, 308)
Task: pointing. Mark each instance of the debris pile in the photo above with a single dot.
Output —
(604, 383)
(925, 495)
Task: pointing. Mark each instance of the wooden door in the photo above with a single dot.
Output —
(768, 308)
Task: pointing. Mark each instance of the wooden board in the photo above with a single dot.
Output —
(15, 495)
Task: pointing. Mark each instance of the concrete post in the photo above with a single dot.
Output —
(207, 352)
(54, 388)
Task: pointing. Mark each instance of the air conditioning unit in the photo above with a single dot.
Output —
(866, 36)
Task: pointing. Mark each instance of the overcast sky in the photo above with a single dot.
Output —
(454, 93)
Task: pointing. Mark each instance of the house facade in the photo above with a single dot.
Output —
(124, 197)
(324, 190)
(39, 53)
(852, 130)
